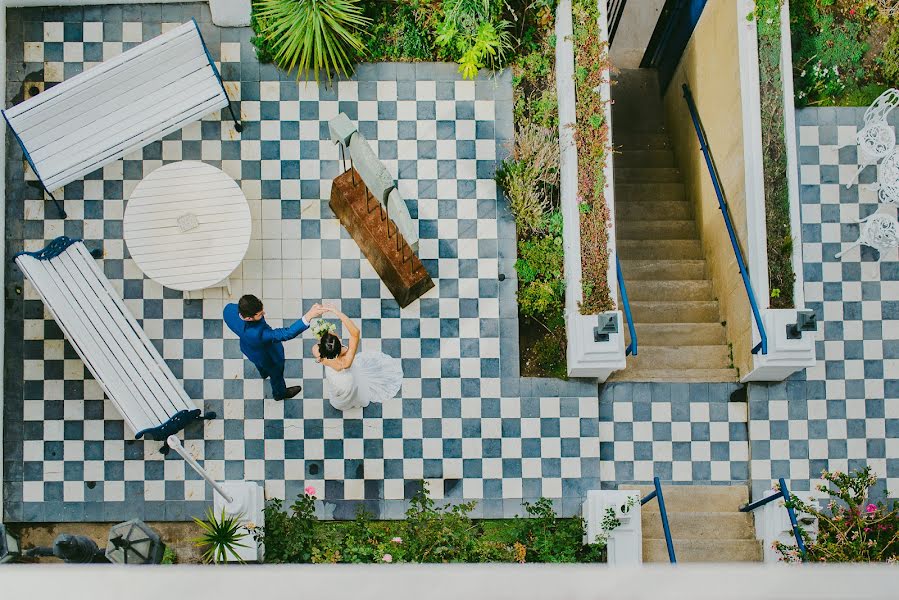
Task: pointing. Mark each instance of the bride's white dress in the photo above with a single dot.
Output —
(373, 377)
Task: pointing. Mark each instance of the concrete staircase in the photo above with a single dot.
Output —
(675, 311)
(705, 522)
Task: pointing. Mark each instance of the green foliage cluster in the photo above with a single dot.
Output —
(331, 35)
(430, 533)
(774, 155)
(220, 538)
(851, 528)
(841, 51)
(313, 36)
(541, 295)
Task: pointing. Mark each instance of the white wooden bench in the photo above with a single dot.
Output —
(108, 339)
(121, 105)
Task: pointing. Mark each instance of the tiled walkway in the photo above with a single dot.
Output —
(847, 414)
(466, 422)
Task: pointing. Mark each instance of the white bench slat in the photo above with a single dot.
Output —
(85, 339)
(73, 116)
(101, 70)
(144, 391)
(123, 123)
(186, 402)
(147, 137)
(122, 104)
(107, 338)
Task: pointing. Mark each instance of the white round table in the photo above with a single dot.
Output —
(187, 226)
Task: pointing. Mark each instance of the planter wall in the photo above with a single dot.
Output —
(785, 356)
(586, 357)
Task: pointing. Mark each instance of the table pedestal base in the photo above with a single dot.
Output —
(379, 239)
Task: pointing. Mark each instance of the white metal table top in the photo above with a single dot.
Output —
(187, 225)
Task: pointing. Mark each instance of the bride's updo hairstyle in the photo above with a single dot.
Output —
(329, 346)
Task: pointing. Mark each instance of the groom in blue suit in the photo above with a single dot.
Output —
(262, 344)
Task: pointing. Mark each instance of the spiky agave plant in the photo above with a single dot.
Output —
(221, 537)
(312, 35)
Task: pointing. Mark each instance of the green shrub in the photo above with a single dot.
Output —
(289, 538)
(473, 34)
(851, 528)
(890, 58)
(220, 538)
(429, 534)
(402, 31)
(312, 35)
(549, 539)
(541, 293)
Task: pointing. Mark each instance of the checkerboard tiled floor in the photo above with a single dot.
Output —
(464, 422)
(846, 414)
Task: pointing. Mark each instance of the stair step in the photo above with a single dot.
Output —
(641, 192)
(627, 139)
(681, 334)
(665, 311)
(662, 269)
(700, 525)
(695, 498)
(653, 357)
(657, 210)
(710, 551)
(632, 374)
(686, 289)
(648, 175)
(656, 230)
(626, 157)
(659, 249)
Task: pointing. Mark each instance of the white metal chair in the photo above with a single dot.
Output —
(879, 231)
(887, 185)
(876, 140)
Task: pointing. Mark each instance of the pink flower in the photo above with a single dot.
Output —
(397, 540)
(871, 508)
(310, 490)
(387, 558)
(852, 12)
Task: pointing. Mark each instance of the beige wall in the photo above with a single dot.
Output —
(710, 66)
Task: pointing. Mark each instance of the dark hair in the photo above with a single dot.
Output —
(249, 306)
(329, 346)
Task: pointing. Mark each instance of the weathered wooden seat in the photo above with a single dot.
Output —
(124, 104)
(106, 336)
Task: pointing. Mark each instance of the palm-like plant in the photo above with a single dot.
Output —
(221, 536)
(312, 35)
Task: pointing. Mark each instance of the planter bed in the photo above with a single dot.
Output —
(781, 277)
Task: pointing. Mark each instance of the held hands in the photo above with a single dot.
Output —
(317, 311)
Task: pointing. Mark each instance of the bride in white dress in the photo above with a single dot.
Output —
(356, 380)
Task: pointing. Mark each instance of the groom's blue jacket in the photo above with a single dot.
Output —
(259, 341)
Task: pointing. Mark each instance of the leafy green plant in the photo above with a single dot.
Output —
(289, 538)
(851, 528)
(402, 31)
(549, 539)
(169, 557)
(890, 58)
(593, 144)
(312, 35)
(473, 34)
(220, 538)
(774, 154)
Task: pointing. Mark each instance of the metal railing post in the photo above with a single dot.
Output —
(792, 514)
(626, 305)
(657, 494)
(175, 444)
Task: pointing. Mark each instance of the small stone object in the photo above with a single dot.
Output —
(187, 222)
(230, 13)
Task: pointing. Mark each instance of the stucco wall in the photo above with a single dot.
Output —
(711, 67)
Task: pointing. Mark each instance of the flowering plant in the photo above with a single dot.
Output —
(321, 327)
(851, 528)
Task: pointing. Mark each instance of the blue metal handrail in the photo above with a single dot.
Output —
(632, 347)
(722, 204)
(657, 493)
(784, 493)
